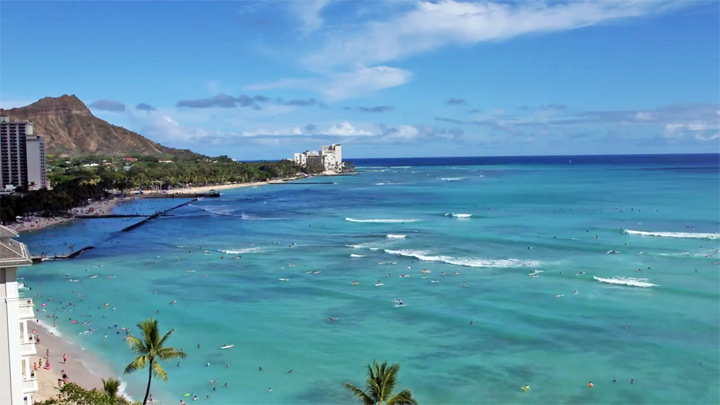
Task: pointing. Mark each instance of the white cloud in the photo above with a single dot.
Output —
(431, 25)
(707, 138)
(345, 129)
(165, 128)
(309, 13)
(275, 132)
(344, 85)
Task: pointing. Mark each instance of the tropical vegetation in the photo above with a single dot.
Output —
(76, 180)
(73, 394)
(381, 382)
(151, 349)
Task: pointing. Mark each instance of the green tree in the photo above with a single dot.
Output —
(111, 386)
(73, 394)
(151, 349)
(381, 382)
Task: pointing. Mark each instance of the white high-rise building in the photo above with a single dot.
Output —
(329, 157)
(36, 169)
(332, 157)
(22, 156)
(17, 377)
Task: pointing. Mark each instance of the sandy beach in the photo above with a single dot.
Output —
(103, 207)
(75, 367)
(218, 187)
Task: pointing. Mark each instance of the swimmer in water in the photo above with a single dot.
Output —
(590, 384)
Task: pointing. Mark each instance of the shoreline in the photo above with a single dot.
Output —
(81, 367)
(105, 207)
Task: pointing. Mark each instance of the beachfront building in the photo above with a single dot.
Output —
(36, 163)
(17, 377)
(329, 157)
(22, 156)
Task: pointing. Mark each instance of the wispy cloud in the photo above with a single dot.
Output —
(376, 109)
(431, 25)
(343, 85)
(107, 105)
(226, 101)
(456, 101)
(145, 107)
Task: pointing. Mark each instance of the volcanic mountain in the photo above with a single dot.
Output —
(68, 126)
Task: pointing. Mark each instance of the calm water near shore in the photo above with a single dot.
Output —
(212, 270)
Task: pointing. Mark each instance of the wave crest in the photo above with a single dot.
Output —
(628, 281)
(382, 221)
(242, 251)
(674, 234)
(391, 236)
(465, 261)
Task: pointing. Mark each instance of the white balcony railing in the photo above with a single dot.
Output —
(30, 385)
(27, 348)
(26, 310)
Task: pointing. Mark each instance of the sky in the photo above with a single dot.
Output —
(261, 80)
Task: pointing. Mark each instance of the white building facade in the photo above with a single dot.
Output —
(17, 377)
(329, 157)
(22, 156)
(36, 164)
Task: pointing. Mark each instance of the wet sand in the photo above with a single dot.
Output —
(81, 366)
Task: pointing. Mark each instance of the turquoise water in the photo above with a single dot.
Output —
(659, 326)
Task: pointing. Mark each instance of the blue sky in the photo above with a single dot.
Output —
(260, 80)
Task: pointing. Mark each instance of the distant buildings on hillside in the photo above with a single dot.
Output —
(329, 157)
(22, 156)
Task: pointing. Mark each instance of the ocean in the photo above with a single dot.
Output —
(542, 271)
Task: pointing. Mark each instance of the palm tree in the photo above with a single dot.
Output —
(111, 386)
(151, 350)
(380, 385)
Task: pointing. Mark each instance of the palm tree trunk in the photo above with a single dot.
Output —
(147, 392)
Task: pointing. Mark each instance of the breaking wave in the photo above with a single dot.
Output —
(452, 178)
(242, 251)
(356, 255)
(454, 215)
(674, 234)
(464, 261)
(382, 221)
(628, 281)
(391, 236)
(216, 209)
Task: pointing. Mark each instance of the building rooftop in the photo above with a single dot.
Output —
(12, 252)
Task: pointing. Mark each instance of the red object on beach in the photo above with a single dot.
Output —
(47, 365)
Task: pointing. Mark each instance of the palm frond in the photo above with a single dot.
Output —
(402, 398)
(139, 363)
(111, 386)
(164, 338)
(159, 372)
(359, 394)
(166, 353)
(389, 379)
(136, 345)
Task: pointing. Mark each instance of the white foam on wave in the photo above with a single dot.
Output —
(454, 215)
(452, 178)
(382, 221)
(464, 261)
(391, 236)
(674, 234)
(628, 281)
(242, 251)
(356, 255)
(216, 209)
(122, 391)
(250, 217)
(53, 330)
